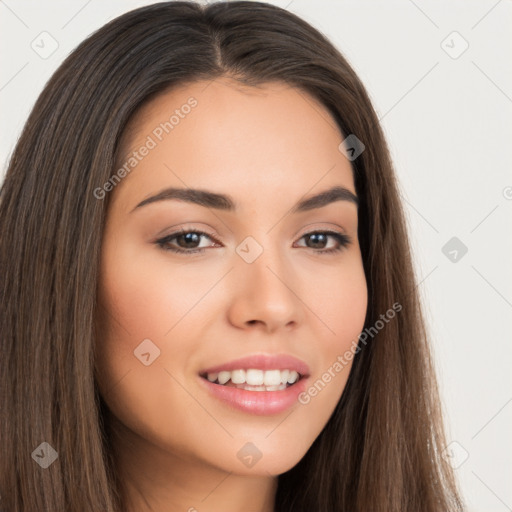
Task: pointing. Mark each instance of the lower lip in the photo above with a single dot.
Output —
(257, 402)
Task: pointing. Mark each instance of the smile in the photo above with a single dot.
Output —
(259, 384)
(255, 379)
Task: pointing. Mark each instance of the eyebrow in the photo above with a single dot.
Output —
(225, 202)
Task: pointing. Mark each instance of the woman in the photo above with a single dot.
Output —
(208, 299)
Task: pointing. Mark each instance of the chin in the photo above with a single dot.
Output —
(262, 456)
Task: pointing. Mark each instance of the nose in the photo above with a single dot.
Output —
(266, 295)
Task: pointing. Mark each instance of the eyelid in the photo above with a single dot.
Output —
(310, 230)
(187, 229)
(316, 227)
(343, 240)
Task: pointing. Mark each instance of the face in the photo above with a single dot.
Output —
(212, 302)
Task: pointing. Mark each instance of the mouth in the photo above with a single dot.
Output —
(260, 384)
(254, 379)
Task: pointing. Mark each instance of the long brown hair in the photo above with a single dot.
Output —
(380, 450)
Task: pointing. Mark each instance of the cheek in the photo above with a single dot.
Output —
(145, 298)
(136, 310)
(138, 366)
(336, 300)
(340, 300)
(338, 297)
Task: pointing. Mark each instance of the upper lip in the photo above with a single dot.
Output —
(262, 362)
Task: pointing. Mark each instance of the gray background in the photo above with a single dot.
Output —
(446, 112)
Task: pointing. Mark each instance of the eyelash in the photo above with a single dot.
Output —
(343, 241)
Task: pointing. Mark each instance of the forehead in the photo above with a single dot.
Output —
(223, 135)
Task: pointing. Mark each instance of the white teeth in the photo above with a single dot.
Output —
(254, 377)
(272, 378)
(292, 377)
(256, 380)
(275, 388)
(260, 388)
(238, 376)
(224, 377)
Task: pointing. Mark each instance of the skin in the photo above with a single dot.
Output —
(268, 148)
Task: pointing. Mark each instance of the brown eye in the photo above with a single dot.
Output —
(319, 239)
(186, 241)
(189, 240)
